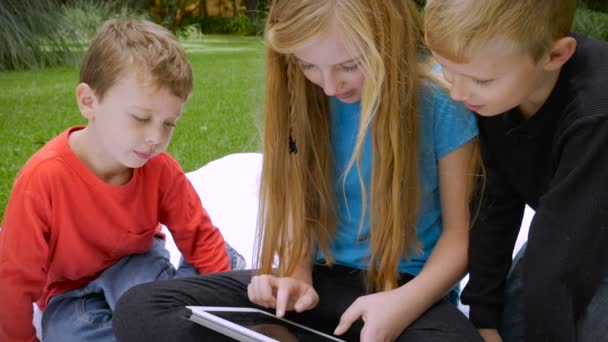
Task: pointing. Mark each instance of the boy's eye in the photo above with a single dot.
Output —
(482, 82)
(170, 124)
(139, 119)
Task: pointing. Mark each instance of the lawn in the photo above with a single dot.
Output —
(223, 115)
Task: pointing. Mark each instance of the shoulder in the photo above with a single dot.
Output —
(586, 78)
(445, 123)
(590, 53)
(434, 98)
(46, 166)
(165, 172)
(165, 163)
(437, 107)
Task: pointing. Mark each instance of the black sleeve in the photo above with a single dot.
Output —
(491, 240)
(567, 250)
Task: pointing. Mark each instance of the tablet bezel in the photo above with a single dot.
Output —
(204, 316)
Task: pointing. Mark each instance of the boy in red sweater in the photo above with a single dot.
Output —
(83, 221)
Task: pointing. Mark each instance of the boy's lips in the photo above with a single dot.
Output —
(143, 155)
(472, 107)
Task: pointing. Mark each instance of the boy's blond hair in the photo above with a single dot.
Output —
(455, 28)
(124, 45)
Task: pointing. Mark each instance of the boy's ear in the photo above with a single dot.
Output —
(86, 99)
(560, 52)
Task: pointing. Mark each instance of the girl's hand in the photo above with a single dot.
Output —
(284, 293)
(385, 316)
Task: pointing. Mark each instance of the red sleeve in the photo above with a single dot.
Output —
(23, 262)
(200, 242)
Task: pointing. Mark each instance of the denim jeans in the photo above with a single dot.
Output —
(85, 314)
(591, 327)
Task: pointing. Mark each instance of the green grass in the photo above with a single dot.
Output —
(223, 115)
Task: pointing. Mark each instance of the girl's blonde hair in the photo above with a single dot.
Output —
(297, 197)
(455, 28)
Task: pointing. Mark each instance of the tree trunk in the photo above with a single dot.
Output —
(235, 9)
(202, 8)
(251, 8)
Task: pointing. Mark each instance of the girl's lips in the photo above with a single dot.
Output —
(345, 96)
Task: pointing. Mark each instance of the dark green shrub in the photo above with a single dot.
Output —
(591, 23)
(595, 5)
(86, 16)
(242, 25)
(32, 35)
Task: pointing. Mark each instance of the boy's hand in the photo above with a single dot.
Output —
(384, 314)
(285, 293)
(490, 335)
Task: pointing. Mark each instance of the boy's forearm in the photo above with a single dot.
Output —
(490, 258)
(16, 315)
(491, 241)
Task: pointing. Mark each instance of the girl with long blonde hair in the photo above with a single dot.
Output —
(364, 193)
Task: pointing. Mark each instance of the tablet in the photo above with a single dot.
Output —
(254, 325)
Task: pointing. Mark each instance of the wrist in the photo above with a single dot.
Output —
(302, 273)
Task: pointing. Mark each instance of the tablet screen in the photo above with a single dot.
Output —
(270, 326)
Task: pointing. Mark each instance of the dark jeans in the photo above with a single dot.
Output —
(156, 311)
(591, 327)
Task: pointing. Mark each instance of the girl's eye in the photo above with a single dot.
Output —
(350, 68)
(306, 66)
(170, 124)
(138, 119)
(482, 82)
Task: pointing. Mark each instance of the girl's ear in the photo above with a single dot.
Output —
(87, 101)
(560, 52)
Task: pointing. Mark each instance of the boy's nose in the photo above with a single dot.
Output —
(154, 135)
(458, 92)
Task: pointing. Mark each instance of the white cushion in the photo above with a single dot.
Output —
(228, 188)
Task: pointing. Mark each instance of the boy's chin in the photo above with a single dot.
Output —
(489, 112)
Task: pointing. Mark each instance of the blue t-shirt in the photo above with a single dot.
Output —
(444, 126)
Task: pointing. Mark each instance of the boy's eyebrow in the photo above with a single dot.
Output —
(143, 109)
(477, 77)
(480, 78)
(151, 111)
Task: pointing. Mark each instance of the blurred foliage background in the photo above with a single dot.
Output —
(43, 33)
(42, 41)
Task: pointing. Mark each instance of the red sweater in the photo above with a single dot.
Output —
(63, 226)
